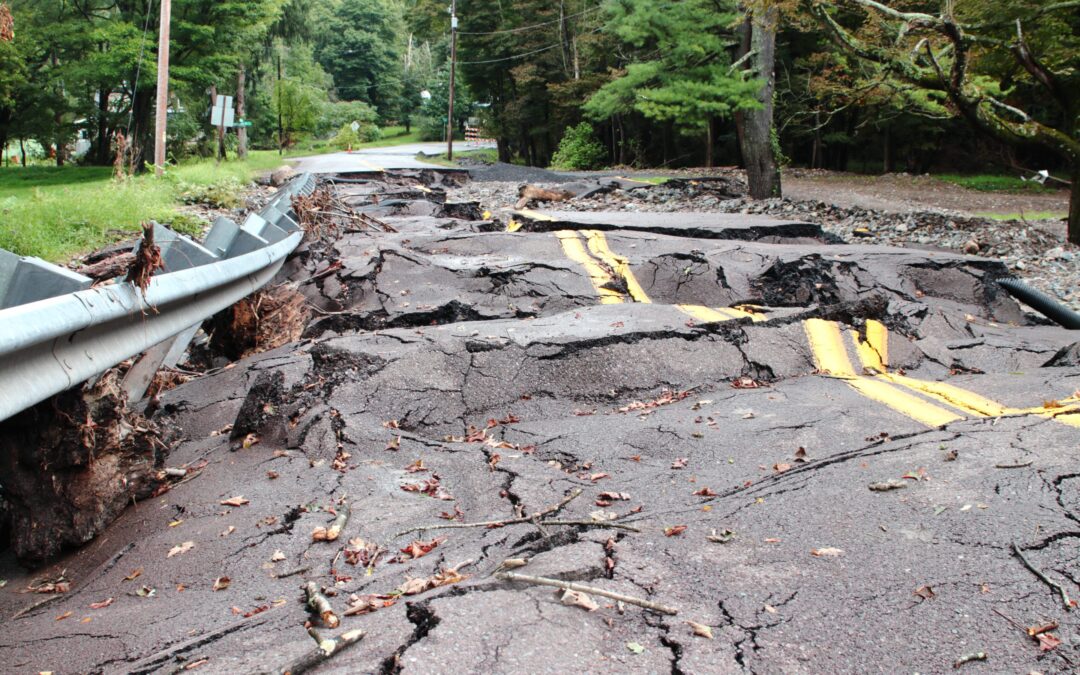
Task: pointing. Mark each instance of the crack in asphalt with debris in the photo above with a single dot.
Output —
(733, 390)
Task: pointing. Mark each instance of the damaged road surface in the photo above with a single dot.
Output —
(739, 447)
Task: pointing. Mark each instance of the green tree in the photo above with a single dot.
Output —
(983, 57)
(360, 45)
(684, 72)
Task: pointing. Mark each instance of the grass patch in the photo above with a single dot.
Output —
(1026, 215)
(993, 183)
(56, 213)
(655, 180)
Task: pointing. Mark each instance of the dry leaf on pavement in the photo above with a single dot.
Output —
(181, 548)
(578, 599)
(221, 583)
(674, 530)
(101, 605)
(235, 501)
(700, 629)
(827, 552)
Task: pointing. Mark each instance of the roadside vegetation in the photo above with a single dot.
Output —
(56, 213)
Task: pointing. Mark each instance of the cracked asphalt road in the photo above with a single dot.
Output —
(747, 380)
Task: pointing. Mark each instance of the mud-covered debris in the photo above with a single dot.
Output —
(71, 464)
(700, 629)
(147, 260)
(265, 320)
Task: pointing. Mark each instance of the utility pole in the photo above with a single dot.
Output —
(453, 73)
(162, 88)
(241, 110)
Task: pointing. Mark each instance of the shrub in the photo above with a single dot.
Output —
(579, 150)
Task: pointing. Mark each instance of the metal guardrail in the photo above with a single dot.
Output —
(52, 344)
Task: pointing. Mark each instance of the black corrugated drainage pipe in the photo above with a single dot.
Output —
(1042, 303)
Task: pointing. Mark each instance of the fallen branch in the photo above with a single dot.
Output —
(1065, 599)
(1017, 465)
(293, 573)
(324, 651)
(320, 604)
(323, 534)
(569, 586)
(534, 518)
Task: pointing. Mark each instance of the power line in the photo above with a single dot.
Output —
(535, 25)
(521, 56)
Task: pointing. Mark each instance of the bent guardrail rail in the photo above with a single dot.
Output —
(50, 345)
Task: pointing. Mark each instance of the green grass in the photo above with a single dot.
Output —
(993, 183)
(1026, 215)
(57, 213)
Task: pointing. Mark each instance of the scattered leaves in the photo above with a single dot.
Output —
(135, 574)
(674, 530)
(444, 578)
(221, 583)
(827, 552)
(781, 467)
(181, 548)
(925, 592)
(416, 467)
(705, 492)
(363, 553)
(431, 487)
(458, 514)
(577, 599)
(666, 397)
(395, 444)
(419, 549)
(277, 557)
(103, 604)
(700, 629)
(723, 537)
(235, 501)
(680, 463)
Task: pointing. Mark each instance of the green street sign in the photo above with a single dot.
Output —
(242, 123)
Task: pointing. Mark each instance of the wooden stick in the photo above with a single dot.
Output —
(323, 534)
(1065, 599)
(566, 585)
(324, 651)
(319, 603)
(496, 523)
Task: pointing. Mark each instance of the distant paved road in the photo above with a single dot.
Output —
(378, 159)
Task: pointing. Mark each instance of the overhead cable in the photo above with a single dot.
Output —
(522, 29)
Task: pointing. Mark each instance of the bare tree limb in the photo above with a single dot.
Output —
(569, 586)
(1065, 599)
(536, 517)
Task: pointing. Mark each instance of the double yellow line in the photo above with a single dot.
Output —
(947, 403)
(606, 269)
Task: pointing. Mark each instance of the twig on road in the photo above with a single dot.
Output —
(569, 586)
(320, 604)
(1065, 599)
(536, 517)
(593, 523)
(324, 651)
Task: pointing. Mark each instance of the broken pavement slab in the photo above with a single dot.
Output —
(502, 375)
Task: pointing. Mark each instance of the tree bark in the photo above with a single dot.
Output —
(101, 148)
(710, 141)
(757, 137)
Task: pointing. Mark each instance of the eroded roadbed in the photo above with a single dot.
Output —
(825, 458)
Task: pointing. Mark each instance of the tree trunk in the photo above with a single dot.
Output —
(758, 142)
(22, 151)
(1074, 209)
(101, 148)
(709, 142)
(142, 130)
(241, 110)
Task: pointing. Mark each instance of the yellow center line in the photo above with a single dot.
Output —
(534, 215)
(599, 247)
(706, 314)
(575, 251)
(873, 352)
(373, 167)
(831, 358)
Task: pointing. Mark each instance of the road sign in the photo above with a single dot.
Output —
(242, 123)
(223, 107)
(355, 127)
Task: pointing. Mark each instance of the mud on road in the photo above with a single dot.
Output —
(827, 457)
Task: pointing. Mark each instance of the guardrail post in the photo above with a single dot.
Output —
(24, 280)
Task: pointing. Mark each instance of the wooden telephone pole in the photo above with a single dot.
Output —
(453, 73)
(162, 88)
